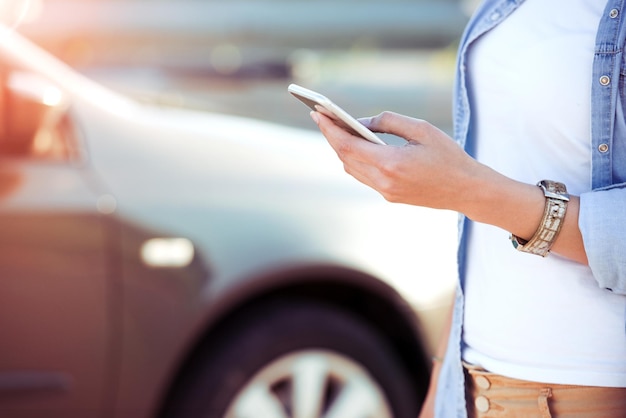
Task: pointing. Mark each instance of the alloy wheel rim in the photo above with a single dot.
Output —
(311, 384)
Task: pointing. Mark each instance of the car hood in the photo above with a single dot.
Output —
(191, 154)
(247, 189)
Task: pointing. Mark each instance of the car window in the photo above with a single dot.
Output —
(34, 117)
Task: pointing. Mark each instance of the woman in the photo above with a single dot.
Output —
(538, 327)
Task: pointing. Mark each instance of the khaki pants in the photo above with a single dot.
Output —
(490, 395)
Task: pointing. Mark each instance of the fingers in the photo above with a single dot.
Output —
(358, 155)
(346, 145)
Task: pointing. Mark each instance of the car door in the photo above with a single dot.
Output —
(54, 297)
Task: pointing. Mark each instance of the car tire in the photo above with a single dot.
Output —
(297, 360)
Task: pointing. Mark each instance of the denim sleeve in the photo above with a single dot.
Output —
(602, 222)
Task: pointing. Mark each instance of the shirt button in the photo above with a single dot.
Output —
(482, 404)
(495, 16)
(605, 80)
(482, 382)
(613, 13)
(603, 148)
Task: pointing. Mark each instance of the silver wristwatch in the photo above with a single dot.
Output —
(550, 226)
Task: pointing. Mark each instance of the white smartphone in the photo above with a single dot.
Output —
(323, 104)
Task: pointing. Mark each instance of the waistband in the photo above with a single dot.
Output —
(489, 395)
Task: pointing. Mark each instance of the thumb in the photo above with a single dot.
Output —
(393, 123)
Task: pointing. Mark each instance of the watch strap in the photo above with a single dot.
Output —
(551, 222)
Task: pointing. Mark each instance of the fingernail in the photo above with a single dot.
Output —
(315, 117)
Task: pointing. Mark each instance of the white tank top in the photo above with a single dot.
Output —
(527, 317)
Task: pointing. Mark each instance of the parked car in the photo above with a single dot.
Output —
(160, 262)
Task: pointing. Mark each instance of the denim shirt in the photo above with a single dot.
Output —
(602, 218)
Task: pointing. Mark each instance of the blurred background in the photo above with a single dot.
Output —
(238, 56)
(233, 57)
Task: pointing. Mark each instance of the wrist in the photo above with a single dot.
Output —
(492, 198)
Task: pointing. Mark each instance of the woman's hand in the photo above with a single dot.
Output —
(430, 170)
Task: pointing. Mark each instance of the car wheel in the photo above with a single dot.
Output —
(298, 360)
